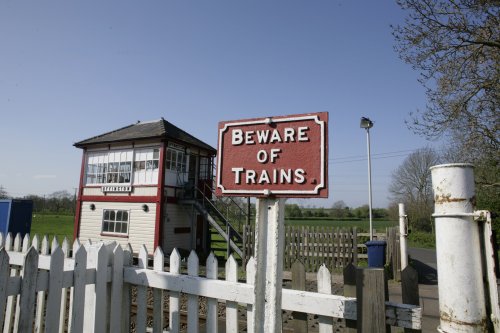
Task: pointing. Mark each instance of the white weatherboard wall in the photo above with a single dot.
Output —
(176, 217)
(141, 224)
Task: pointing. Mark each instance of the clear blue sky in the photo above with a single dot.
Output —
(70, 70)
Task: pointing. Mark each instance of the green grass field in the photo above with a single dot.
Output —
(362, 225)
(53, 225)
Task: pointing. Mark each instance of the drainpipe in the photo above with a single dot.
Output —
(462, 304)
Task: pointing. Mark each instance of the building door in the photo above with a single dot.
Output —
(192, 172)
(205, 177)
(200, 226)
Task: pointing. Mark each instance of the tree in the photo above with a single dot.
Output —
(411, 184)
(3, 193)
(455, 44)
(339, 209)
(293, 210)
(362, 212)
(487, 178)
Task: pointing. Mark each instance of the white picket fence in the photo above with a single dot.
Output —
(42, 288)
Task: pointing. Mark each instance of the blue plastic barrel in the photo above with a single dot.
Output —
(376, 253)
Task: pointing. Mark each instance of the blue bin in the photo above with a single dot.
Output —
(376, 253)
(15, 216)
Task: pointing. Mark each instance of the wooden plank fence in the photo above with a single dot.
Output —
(96, 280)
(315, 246)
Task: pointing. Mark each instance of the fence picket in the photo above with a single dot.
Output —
(313, 248)
(54, 245)
(295, 239)
(300, 324)
(325, 287)
(158, 319)
(251, 269)
(35, 242)
(53, 311)
(78, 296)
(355, 246)
(231, 307)
(345, 246)
(409, 289)
(76, 246)
(333, 248)
(115, 317)
(288, 244)
(126, 291)
(15, 300)
(212, 273)
(18, 242)
(4, 281)
(40, 303)
(101, 290)
(192, 300)
(350, 291)
(29, 275)
(64, 293)
(324, 246)
(8, 242)
(174, 302)
(141, 320)
(26, 243)
(370, 291)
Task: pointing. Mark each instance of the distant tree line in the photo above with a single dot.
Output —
(60, 202)
(339, 210)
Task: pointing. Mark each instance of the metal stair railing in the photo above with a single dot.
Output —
(227, 234)
(200, 199)
(210, 206)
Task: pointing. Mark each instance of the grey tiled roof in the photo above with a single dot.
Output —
(147, 130)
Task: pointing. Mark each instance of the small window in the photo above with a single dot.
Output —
(146, 166)
(176, 160)
(115, 222)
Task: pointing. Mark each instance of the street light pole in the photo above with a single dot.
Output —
(369, 183)
(367, 124)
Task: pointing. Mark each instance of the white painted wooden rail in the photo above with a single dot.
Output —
(38, 281)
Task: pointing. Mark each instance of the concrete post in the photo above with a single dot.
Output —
(403, 236)
(269, 276)
(462, 304)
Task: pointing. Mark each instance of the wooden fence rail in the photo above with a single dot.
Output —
(36, 279)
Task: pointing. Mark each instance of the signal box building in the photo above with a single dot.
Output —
(131, 183)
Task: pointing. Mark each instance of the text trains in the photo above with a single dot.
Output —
(275, 176)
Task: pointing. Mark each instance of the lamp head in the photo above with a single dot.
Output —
(366, 123)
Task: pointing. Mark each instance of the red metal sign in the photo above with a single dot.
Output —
(284, 156)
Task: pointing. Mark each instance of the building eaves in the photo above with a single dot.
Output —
(146, 130)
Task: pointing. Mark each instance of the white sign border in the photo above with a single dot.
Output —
(268, 192)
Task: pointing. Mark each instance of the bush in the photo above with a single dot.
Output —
(422, 224)
(422, 239)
